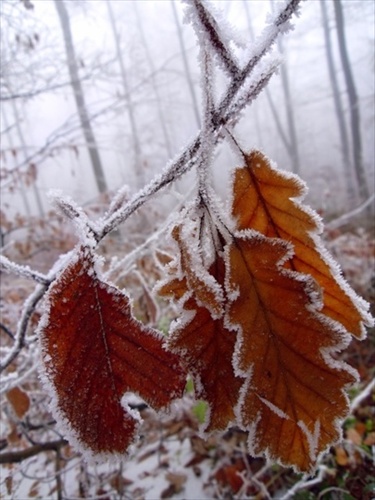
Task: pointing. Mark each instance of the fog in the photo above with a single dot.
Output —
(144, 105)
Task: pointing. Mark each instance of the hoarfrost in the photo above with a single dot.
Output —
(274, 408)
(312, 437)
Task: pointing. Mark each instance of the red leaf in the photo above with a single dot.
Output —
(94, 351)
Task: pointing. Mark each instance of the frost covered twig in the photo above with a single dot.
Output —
(362, 395)
(27, 312)
(23, 271)
(226, 109)
(211, 29)
(306, 483)
(343, 219)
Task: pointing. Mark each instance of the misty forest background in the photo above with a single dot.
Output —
(96, 95)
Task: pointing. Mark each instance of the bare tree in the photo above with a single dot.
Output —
(340, 115)
(79, 97)
(186, 66)
(293, 149)
(353, 103)
(139, 173)
(151, 64)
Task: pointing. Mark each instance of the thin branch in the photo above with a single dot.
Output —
(306, 483)
(27, 312)
(23, 271)
(7, 331)
(362, 395)
(263, 45)
(12, 457)
(343, 219)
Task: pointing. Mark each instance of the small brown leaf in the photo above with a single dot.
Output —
(206, 347)
(19, 400)
(354, 436)
(94, 352)
(206, 289)
(341, 456)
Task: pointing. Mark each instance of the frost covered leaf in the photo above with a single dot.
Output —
(295, 389)
(94, 352)
(266, 199)
(206, 289)
(204, 343)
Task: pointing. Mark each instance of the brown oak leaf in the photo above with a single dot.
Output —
(268, 200)
(295, 390)
(94, 352)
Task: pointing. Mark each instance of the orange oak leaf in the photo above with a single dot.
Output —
(204, 343)
(268, 200)
(94, 352)
(294, 394)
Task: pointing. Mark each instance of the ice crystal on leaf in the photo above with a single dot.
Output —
(201, 336)
(266, 359)
(94, 352)
(269, 201)
(281, 343)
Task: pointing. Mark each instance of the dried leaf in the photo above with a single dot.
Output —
(267, 200)
(295, 389)
(205, 344)
(206, 289)
(94, 352)
(341, 456)
(19, 400)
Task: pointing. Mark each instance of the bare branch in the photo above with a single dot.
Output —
(343, 219)
(27, 312)
(12, 457)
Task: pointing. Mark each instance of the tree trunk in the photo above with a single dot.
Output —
(186, 66)
(79, 97)
(340, 115)
(294, 150)
(14, 173)
(24, 154)
(162, 120)
(139, 172)
(353, 104)
(252, 38)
